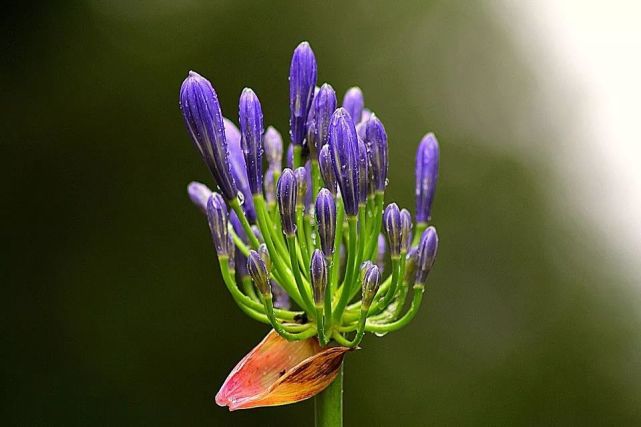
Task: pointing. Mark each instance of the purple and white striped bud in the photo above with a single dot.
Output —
(323, 107)
(231, 260)
(290, 156)
(204, 120)
(270, 186)
(217, 219)
(363, 173)
(366, 115)
(326, 221)
(380, 253)
(376, 140)
(259, 273)
(281, 298)
(327, 169)
(250, 116)
(239, 168)
(287, 193)
(301, 185)
(343, 144)
(273, 145)
(410, 266)
(371, 282)
(427, 249)
(427, 158)
(241, 264)
(318, 275)
(406, 230)
(302, 81)
(264, 254)
(353, 102)
(392, 224)
(199, 195)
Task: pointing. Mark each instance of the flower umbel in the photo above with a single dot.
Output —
(313, 236)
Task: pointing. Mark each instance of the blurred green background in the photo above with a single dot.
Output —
(113, 309)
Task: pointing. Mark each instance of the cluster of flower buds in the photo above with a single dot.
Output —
(316, 234)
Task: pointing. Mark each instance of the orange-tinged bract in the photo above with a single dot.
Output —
(278, 372)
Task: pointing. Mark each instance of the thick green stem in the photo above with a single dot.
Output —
(328, 404)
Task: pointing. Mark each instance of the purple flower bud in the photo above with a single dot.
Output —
(301, 184)
(259, 273)
(371, 282)
(426, 176)
(264, 254)
(376, 140)
(363, 172)
(204, 121)
(290, 156)
(237, 226)
(343, 144)
(323, 107)
(241, 264)
(281, 298)
(273, 144)
(380, 254)
(327, 169)
(311, 142)
(270, 188)
(287, 193)
(326, 221)
(217, 219)
(406, 230)
(239, 169)
(366, 115)
(199, 195)
(427, 249)
(392, 224)
(250, 116)
(318, 270)
(410, 265)
(353, 102)
(302, 81)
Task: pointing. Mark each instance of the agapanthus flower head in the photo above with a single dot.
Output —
(217, 219)
(199, 195)
(327, 169)
(204, 120)
(259, 273)
(318, 274)
(250, 116)
(273, 145)
(353, 102)
(287, 195)
(294, 251)
(427, 159)
(376, 140)
(343, 144)
(392, 223)
(427, 249)
(302, 81)
(326, 221)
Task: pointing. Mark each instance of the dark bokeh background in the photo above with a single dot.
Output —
(113, 310)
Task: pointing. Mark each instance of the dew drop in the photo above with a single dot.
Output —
(241, 198)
